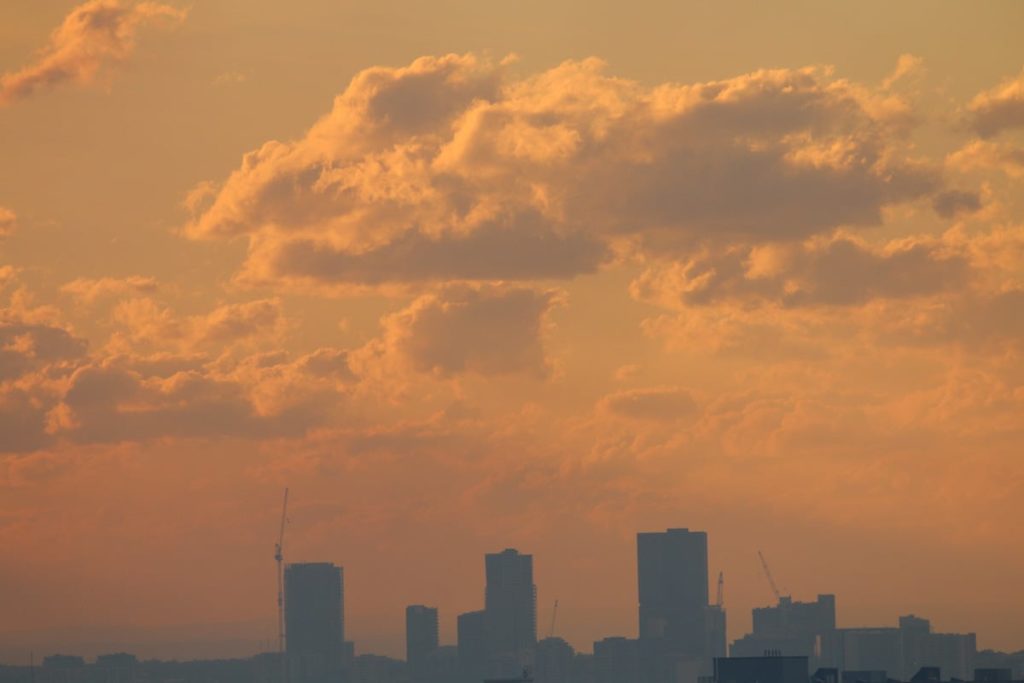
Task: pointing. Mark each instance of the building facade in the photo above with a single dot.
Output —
(314, 622)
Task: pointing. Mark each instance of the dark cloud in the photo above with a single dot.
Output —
(1000, 108)
(26, 347)
(108, 404)
(484, 330)
(841, 272)
(523, 249)
(952, 202)
(657, 403)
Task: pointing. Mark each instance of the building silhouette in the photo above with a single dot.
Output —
(554, 661)
(420, 640)
(472, 647)
(903, 651)
(314, 622)
(672, 577)
(510, 613)
(764, 669)
(797, 629)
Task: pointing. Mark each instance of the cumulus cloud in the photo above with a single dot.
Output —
(448, 169)
(999, 108)
(27, 347)
(841, 271)
(985, 154)
(8, 220)
(94, 35)
(657, 403)
(486, 330)
(110, 404)
(91, 290)
(145, 323)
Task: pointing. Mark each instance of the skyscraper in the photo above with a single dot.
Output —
(472, 647)
(420, 638)
(314, 622)
(510, 611)
(672, 574)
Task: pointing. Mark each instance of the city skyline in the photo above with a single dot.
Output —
(676, 552)
(467, 275)
(676, 642)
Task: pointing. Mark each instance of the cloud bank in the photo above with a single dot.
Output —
(93, 36)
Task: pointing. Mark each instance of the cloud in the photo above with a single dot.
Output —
(8, 220)
(984, 154)
(110, 404)
(952, 202)
(657, 403)
(519, 247)
(448, 169)
(999, 108)
(145, 323)
(95, 34)
(27, 347)
(486, 330)
(907, 66)
(841, 271)
(90, 290)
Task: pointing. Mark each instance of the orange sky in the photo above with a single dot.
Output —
(471, 275)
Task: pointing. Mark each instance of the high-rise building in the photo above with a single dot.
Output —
(672, 573)
(420, 639)
(472, 647)
(510, 612)
(314, 622)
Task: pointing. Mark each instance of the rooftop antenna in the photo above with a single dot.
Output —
(279, 557)
(554, 616)
(720, 598)
(768, 575)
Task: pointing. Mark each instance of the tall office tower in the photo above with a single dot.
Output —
(420, 639)
(472, 647)
(510, 612)
(314, 622)
(672, 576)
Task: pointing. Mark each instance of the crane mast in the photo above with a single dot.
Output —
(768, 575)
(279, 557)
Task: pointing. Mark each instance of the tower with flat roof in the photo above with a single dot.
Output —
(314, 622)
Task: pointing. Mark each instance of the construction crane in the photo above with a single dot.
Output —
(768, 575)
(720, 598)
(279, 557)
(554, 616)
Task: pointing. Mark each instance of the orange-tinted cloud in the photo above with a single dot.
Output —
(8, 219)
(999, 108)
(94, 35)
(447, 169)
(841, 271)
(90, 290)
(488, 330)
(657, 403)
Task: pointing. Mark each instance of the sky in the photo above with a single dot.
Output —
(475, 274)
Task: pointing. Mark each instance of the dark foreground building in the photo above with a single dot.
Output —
(314, 622)
(773, 669)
